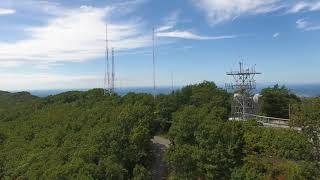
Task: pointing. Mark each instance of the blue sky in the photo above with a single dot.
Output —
(60, 44)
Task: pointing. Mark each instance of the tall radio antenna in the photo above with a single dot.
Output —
(107, 68)
(113, 72)
(154, 64)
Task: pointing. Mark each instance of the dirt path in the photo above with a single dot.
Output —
(159, 145)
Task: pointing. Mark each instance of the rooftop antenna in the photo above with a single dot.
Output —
(113, 71)
(107, 68)
(154, 64)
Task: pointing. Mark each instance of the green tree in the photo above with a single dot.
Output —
(2, 168)
(275, 101)
(205, 146)
(185, 123)
(182, 161)
(75, 135)
(141, 173)
(307, 115)
(311, 123)
(269, 168)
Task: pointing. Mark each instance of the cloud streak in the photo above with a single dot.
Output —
(169, 30)
(192, 36)
(219, 11)
(169, 22)
(305, 25)
(305, 6)
(4, 11)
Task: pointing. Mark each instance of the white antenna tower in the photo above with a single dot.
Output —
(113, 72)
(107, 68)
(154, 64)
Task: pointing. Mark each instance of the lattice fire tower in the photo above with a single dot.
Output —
(243, 92)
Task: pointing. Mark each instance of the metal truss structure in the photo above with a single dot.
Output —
(243, 92)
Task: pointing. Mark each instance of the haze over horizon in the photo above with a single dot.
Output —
(60, 44)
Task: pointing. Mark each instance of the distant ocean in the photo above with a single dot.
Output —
(301, 90)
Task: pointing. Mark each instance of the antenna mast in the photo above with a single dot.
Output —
(107, 68)
(113, 71)
(154, 64)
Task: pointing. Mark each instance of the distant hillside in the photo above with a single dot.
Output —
(14, 105)
(309, 90)
(120, 91)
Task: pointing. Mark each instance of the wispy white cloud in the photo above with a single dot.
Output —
(33, 6)
(164, 28)
(169, 22)
(4, 11)
(169, 30)
(219, 11)
(192, 36)
(302, 23)
(125, 7)
(313, 28)
(305, 6)
(74, 35)
(275, 35)
(305, 25)
(298, 7)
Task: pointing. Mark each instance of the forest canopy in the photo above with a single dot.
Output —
(87, 135)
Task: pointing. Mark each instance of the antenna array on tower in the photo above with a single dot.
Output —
(242, 102)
